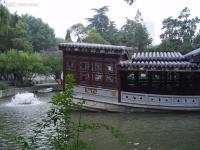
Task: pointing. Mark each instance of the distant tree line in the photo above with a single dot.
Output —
(104, 31)
(19, 68)
(179, 34)
(21, 40)
(24, 32)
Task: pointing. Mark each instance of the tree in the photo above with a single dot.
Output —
(79, 31)
(106, 28)
(24, 32)
(180, 32)
(134, 34)
(59, 40)
(196, 41)
(138, 17)
(94, 37)
(100, 21)
(53, 64)
(42, 36)
(130, 2)
(112, 34)
(14, 33)
(20, 38)
(68, 36)
(21, 67)
(4, 26)
(4, 19)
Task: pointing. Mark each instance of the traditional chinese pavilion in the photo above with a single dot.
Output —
(121, 75)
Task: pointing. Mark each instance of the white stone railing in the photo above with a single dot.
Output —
(98, 94)
(160, 100)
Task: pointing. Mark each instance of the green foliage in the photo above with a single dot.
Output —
(59, 40)
(4, 19)
(79, 31)
(68, 36)
(20, 39)
(53, 64)
(94, 37)
(20, 67)
(42, 36)
(102, 30)
(63, 132)
(100, 20)
(24, 32)
(112, 34)
(179, 33)
(197, 41)
(135, 34)
(102, 25)
(3, 85)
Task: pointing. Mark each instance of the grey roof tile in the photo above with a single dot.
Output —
(93, 46)
(157, 56)
(159, 64)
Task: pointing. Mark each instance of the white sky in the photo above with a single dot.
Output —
(61, 14)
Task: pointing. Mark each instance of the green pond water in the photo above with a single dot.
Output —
(144, 131)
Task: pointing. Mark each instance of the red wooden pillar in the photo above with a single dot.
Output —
(119, 85)
(77, 70)
(90, 72)
(198, 82)
(104, 74)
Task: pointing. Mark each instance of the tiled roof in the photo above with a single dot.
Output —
(192, 53)
(157, 56)
(93, 46)
(160, 60)
(158, 64)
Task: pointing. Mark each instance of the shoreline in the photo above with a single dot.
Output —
(35, 88)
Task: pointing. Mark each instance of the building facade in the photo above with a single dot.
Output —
(155, 80)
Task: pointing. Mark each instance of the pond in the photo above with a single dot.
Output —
(144, 131)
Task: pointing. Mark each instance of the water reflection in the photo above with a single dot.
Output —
(145, 131)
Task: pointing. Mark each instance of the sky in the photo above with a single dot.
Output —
(62, 14)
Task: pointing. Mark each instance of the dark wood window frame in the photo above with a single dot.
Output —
(84, 72)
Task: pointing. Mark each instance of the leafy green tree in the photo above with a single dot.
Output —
(59, 40)
(4, 26)
(53, 64)
(94, 37)
(16, 35)
(79, 31)
(21, 67)
(100, 20)
(20, 37)
(42, 36)
(135, 34)
(180, 32)
(4, 19)
(106, 28)
(112, 34)
(138, 17)
(196, 41)
(68, 36)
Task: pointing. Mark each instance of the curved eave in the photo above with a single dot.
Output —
(91, 47)
(174, 69)
(179, 66)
